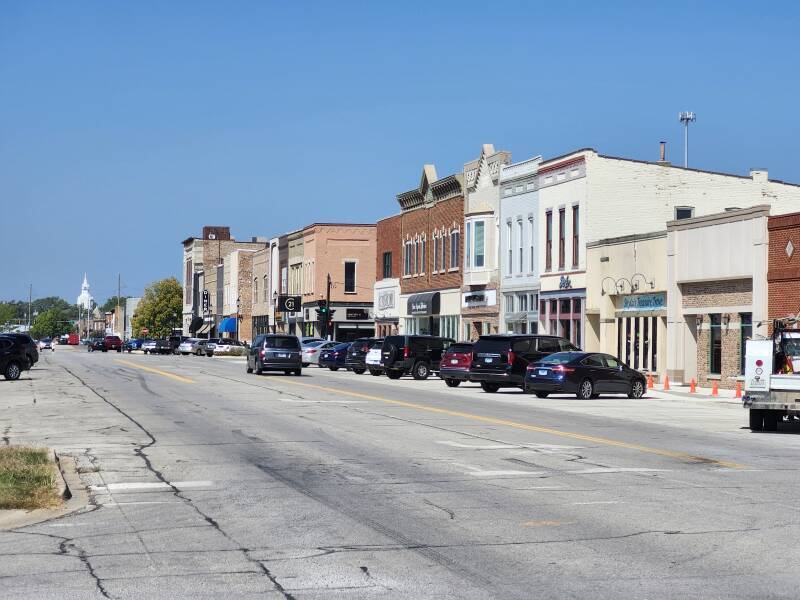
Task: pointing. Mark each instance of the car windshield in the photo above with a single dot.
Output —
(559, 358)
(313, 344)
(460, 348)
(282, 342)
(342, 346)
(489, 344)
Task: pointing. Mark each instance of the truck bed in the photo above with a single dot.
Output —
(785, 383)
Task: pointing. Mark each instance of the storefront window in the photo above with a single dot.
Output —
(577, 330)
(715, 344)
(746, 333)
(636, 334)
(645, 343)
(565, 306)
(565, 328)
(654, 342)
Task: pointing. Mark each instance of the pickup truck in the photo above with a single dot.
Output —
(772, 376)
(112, 342)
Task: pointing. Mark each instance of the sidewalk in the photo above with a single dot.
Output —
(702, 394)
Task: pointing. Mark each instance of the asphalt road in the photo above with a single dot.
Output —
(208, 482)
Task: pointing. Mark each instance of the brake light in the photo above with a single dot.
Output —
(263, 352)
(312, 351)
(563, 369)
(511, 357)
(405, 352)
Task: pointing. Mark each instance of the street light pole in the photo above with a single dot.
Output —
(686, 117)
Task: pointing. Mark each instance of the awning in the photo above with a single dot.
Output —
(424, 304)
(197, 323)
(228, 325)
(516, 317)
(204, 329)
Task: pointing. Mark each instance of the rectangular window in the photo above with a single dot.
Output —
(636, 344)
(745, 333)
(646, 343)
(684, 212)
(415, 257)
(576, 327)
(548, 250)
(443, 259)
(654, 342)
(561, 232)
(422, 255)
(531, 264)
(479, 243)
(620, 324)
(284, 279)
(575, 236)
(523, 302)
(455, 246)
(349, 277)
(435, 253)
(510, 244)
(387, 265)
(469, 244)
(715, 344)
(407, 258)
(520, 243)
(510, 303)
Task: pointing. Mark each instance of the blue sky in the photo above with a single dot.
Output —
(125, 127)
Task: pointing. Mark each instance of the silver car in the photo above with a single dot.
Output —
(225, 347)
(312, 350)
(194, 346)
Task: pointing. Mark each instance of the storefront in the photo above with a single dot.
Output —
(260, 325)
(352, 322)
(561, 312)
(432, 313)
(479, 312)
(641, 325)
(387, 313)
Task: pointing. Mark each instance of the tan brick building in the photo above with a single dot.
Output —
(387, 269)
(783, 275)
(260, 292)
(431, 223)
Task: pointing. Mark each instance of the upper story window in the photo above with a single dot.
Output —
(387, 265)
(684, 212)
(265, 290)
(575, 235)
(455, 248)
(548, 252)
(255, 289)
(520, 242)
(562, 226)
(469, 244)
(476, 244)
(530, 244)
(435, 253)
(423, 255)
(510, 244)
(509, 302)
(350, 277)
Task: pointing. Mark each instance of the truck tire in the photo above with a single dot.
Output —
(756, 419)
(490, 388)
(359, 371)
(394, 373)
(452, 382)
(771, 418)
(421, 370)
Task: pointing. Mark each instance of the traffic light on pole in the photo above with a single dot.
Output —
(322, 311)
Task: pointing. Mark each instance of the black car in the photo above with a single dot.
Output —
(13, 357)
(272, 352)
(415, 354)
(455, 363)
(96, 344)
(357, 354)
(336, 357)
(31, 350)
(585, 374)
(501, 360)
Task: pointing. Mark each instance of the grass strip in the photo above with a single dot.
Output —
(27, 478)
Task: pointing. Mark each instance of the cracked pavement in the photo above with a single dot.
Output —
(334, 485)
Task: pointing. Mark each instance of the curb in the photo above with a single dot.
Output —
(70, 489)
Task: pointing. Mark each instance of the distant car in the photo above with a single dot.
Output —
(373, 359)
(46, 344)
(585, 374)
(133, 344)
(271, 352)
(455, 363)
(225, 347)
(113, 342)
(196, 346)
(312, 350)
(501, 360)
(308, 340)
(210, 345)
(157, 347)
(31, 351)
(416, 354)
(96, 344)
(13, 357)
(357, 354)
(334, 357)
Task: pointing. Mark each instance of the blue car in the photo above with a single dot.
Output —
(335, 357)
(133, 344)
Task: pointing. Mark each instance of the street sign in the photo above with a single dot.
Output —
(289, 303)
(145, 330)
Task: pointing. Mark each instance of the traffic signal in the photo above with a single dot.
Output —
(322, 311)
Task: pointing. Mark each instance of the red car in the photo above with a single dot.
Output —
(455, 364)
(112, 342)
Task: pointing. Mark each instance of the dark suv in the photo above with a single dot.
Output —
(502, 360)
(13, 357)
(356, 360)
(31, 351)
(415, 354)
(272, 352)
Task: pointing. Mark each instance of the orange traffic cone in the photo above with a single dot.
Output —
(738, 389)
(650, 381)
(693, 386)
(666, 383)
(714, 389)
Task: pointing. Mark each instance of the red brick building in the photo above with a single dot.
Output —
(783, 270)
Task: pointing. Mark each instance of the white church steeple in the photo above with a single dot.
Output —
(85, 299)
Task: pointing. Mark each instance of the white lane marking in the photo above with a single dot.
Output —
(602, 470)
(115, 503)
(503, 473)
(344, 401)
(155, 485)
(598, 502)
(551, 448)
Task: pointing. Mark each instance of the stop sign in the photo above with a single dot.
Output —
(145, 330)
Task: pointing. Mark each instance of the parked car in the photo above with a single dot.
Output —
(31, 351)
(585, 374)
(226, 347)
(273, 352)
(196, 346)
(96, 344)
(312, 350)
(416, 354)
(46, 344)
(13, 357)
(113, 342)
(455, 363)
(210, 345)
(373, 358)
(357, 354)
(334, 357)
(133, 344)
(73, 339)
(157, 347)
(308, 340)
(502, 360)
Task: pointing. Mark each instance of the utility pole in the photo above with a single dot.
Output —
(328, 304)
(119, 313)
(30, 304)
(686, 117)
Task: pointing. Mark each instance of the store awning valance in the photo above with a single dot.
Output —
(228, 325)
(197, 323)
(424, 304)
(516, 317)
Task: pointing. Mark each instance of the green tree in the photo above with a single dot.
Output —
(111, 304)
(160, 309)
(8, 312)
(50, 324)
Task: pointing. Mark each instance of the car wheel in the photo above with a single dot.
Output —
(145, 351)
(359, 371)
(489, 387)
(756, 420)
(105, 350)
(637, 389)
(375, 372)
(298, 372)
(13, 371)
(332, 368)
(249, 368)
(585, 390)
(452, 382)
(259, 367)
(287, 372)
(421, 370)
(306, 364)
(394, 374)
(542, 394)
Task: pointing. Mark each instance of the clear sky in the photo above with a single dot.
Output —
(127, 126)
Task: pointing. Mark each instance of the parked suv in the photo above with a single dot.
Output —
(31, 350)
(455, 363)
(415, 354)
(273, 352)
(356, 360)
(13, 357)
(112, 342)
(502, 360)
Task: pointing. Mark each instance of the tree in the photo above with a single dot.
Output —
(8, 313)
(160, 309)
(50, 324)
(111, 304)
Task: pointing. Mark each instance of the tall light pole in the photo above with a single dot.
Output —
(686, 117)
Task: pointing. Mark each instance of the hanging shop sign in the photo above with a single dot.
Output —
(644, 302)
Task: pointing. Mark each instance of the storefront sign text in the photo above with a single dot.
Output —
(644, 302)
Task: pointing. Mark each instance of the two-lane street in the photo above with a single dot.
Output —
(207, 481)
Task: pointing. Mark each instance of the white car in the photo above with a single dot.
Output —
(225, 347)
(45, 344)
(373, 359)
(312, 350)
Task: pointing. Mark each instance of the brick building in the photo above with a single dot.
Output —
(260, 294)
(783, 274)
(387, 274)
(431, 222)
(237, 293)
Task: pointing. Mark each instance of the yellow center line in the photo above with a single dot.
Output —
(156, 371)
(527, 427)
